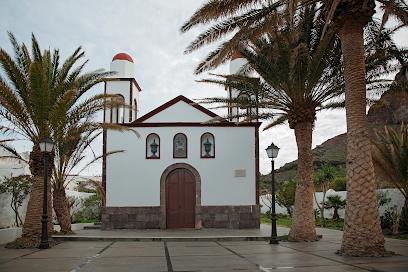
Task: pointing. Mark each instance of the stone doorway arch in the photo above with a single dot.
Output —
(166, 172)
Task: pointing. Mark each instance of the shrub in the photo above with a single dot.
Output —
(339, 184)
(19, 187)
(91, 208)
(286, 196)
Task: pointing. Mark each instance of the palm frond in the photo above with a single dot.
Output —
(13, 154)
(215, 9)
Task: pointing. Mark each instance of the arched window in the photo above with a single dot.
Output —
(118, 114)
(180, 146)
(207, 145)
(153, 146)
(245, 97)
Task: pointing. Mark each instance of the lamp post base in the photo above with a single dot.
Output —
(44, 245)
(274, 234)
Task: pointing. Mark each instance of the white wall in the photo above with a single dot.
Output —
(124, 68)
(123, 88)
(133, 180)
(397, 198)
(179, 112)
(7, 215)
(15, 168)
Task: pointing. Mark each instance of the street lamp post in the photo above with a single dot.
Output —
(46, 145)
(272, 152)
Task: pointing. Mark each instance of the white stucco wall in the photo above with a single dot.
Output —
(397, 198)
(123, 68)
(123, 88)
(133, 180)
(8, 217)
(179, 112)
(15, 168)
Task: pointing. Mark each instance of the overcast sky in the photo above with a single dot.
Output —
(147, 30)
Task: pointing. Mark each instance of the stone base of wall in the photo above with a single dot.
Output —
(226, 217)
(131, 217)
(230, 217)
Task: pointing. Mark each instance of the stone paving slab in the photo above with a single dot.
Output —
(209, 256)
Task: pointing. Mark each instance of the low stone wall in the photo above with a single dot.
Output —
(230, 217)
(10, 235)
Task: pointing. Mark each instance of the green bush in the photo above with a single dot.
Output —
(91, 209)
(19, 187)
(330, 223)
(339, 184)
(286, 196)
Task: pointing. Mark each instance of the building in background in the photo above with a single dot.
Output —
(75, 182)
(13, 166)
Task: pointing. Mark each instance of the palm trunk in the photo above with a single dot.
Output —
(32, 224)
(303, 221)
(404, 214)
(335, 215)
(321, 208)
(324, 196)
(362, 235)
(61, 210)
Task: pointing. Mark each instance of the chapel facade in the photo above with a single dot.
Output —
(182, 172)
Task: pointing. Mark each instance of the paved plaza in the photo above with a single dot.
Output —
(197, 250)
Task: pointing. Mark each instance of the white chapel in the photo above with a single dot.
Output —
(182, 172)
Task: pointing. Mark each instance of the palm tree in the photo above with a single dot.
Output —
(323, 180)
(335, 202)
(299, 76)
(69, 154)
(253, 18)
(362, 233)
(390, 158)
(39, 98)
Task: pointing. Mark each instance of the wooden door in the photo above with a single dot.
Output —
(180, 199)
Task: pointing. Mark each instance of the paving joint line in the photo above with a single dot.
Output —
(93, 257)
(326, 258)
(239, 255)
(168, 260)
(25, 255)
(20, 256)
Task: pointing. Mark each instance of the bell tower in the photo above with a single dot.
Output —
(236, 63)
(126, 89)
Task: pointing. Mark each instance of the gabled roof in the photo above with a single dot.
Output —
(173, 102)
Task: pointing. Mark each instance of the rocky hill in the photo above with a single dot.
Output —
(332, 152)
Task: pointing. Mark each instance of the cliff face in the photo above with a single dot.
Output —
(392, 109)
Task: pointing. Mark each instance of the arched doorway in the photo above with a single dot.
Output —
(180, 199)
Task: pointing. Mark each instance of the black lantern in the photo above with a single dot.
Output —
(46, 145)
(153, 149)
(272, 152)
(207, 148)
